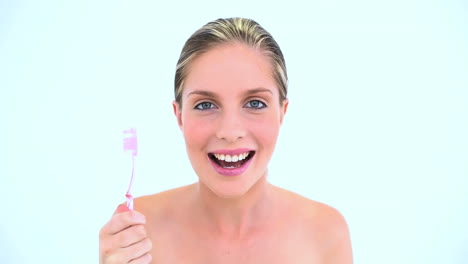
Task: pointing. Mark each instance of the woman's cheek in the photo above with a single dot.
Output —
(196, 132)
(266, 129)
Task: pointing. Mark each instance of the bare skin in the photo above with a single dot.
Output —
(230, 106)
(268, 225)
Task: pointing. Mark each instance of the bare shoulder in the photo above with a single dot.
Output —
(161, 204)
(322, 223)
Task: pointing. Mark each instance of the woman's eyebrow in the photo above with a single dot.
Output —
(214, 95)
(204, 93)
(258, 90)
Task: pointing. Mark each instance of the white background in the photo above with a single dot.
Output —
(377, 125)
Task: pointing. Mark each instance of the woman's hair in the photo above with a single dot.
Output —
(231, 30)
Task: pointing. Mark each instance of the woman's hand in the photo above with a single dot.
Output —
(124, 240)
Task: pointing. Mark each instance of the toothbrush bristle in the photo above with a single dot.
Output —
(130, 144)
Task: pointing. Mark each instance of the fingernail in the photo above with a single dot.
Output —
(122, 208)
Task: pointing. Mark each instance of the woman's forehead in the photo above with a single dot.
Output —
(228, 67)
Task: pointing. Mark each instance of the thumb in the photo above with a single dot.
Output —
(121, 208)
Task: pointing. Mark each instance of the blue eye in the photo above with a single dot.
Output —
(255, 104)
(205, 106)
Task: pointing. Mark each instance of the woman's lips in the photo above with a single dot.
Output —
(231, 162)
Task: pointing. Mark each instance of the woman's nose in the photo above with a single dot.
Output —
(231, 127)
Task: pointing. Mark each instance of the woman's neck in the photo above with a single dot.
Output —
(235, 216)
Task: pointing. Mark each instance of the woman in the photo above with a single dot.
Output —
(230, 101)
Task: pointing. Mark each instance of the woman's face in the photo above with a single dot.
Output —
(230, 117)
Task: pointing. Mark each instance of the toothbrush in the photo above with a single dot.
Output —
(130, 146)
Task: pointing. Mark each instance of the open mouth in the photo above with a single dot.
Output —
(231, 161)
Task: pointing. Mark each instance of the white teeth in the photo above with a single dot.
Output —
(231, 158)
(219, 156)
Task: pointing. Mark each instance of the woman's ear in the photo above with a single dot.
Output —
(178, 113)
(284, 109)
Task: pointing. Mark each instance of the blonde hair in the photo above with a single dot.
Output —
(229, 30)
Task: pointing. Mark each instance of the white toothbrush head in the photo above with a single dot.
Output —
(130, 144)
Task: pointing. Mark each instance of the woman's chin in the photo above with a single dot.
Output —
(228, 191)
(234, 188)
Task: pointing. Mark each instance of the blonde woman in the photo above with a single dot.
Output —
(230, 102)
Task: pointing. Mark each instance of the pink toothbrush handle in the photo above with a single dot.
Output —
(130, 146)
(129, 201)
